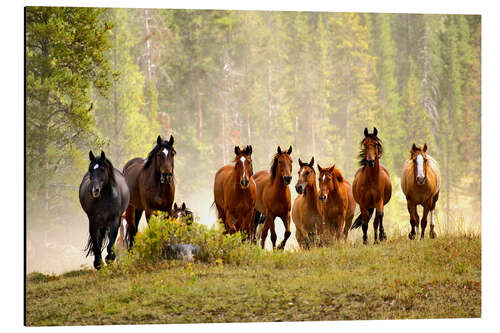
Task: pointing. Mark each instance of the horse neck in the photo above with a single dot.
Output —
(278, 183)
(312, 194)
(375, 171)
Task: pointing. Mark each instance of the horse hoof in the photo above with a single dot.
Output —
(375, 242)
(365, 242)
(432, 234)
(382, 237)
(98, 265)
(411, 236)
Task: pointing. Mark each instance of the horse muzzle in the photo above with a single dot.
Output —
(421, 180)
(299, 189)
(166, 178)
(371, 163)
(322, 198)
(244, 183)
(96, 192)
(287, 179)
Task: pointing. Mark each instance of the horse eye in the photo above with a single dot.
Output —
(307, 173)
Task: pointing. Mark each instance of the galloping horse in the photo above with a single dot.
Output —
(305, 211)
(151, 184)
(235, 193)
(104, 196)
(371, 187)
(420, 182)
(273, 195)
(337, 203)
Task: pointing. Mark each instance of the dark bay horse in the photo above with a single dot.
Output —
(151, 184)
(181, 213)
(235, 193)
(305, 210)
(273, 195)
(420, 182)
(104, 196)
(371, 187)
(336, 203)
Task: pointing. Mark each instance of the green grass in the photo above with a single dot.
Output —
(439, 278)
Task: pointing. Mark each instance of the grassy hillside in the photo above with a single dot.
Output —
(438, 278)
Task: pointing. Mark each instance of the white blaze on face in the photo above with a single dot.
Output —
(420, 166)
(242, 159)
(165, 151)
(324, 177)
(96, 166)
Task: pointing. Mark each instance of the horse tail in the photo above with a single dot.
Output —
(359, 220)
(89, 248)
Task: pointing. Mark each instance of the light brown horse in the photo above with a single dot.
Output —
(336, 203)
(235, 193)
(305, 210)
(420, 182)
(371, 187)
(273, 195)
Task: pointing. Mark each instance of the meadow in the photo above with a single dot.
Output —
(238, 282)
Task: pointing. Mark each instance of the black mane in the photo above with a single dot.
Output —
(155, 150)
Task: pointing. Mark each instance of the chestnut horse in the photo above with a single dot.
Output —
(371, 187)
(336, 202)
(305, 210)
(420, 182)
(151, 184)
(235, 193)
(273, 195)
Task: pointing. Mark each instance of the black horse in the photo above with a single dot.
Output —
(104, 196)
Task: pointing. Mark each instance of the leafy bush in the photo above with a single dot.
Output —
(215, 246)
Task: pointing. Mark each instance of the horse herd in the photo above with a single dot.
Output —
(250, 203)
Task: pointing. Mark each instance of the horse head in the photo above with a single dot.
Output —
(371, 148)
(181, 213)
(420, 160)
(162, 159)
(282, 165)
(100, 173)
(328, 181)
(243, 165)
(307, 176)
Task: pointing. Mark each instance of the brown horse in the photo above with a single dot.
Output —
(151, 184)
(371, 187)
(305, 210)
(182, 213)
(336, 202)
(235, 193)
(420, 182)
(273, 195)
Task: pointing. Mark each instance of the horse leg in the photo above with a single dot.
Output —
(96, 237)
(423, 222)
(380, 215)
(347, 226)
(230, 227)
(412, 209)
(432, 233)
(286, 222)
(113, 232)
(136, 217)
(376, 221)
(265, 229)
(364, 226)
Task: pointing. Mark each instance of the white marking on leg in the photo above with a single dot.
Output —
(432, 218)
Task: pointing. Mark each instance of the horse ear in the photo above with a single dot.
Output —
(330, 169)
(279, 150)
(413, 148)
(158, 140)
(237, 150)
(289, 150)
(366, 132)
(183, 206)
(375, 132)
(171, 141)
(91, 156)
(425, 147)
(249, 150)
(300, 162)
(311, 163)
(175, 206)
(319, 167)
(103, 157)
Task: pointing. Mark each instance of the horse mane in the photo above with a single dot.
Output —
(338, 175)
(362, 152)
(274, 166)
(152, 153)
